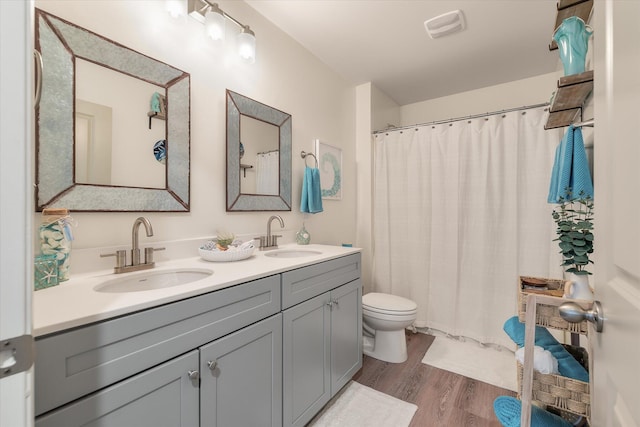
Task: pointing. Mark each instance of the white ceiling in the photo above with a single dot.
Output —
(385, 42)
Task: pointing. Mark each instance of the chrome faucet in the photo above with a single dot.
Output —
(271, 241)
(121, 255)
(135, 250)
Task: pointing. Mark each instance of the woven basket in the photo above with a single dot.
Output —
(547, 315)
(559, 392)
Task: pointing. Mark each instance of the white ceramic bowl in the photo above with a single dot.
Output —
(209, 251)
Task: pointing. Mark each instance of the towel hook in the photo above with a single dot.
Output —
(304, 155)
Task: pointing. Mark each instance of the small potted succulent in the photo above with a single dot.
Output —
(224, 239)
(574, 220)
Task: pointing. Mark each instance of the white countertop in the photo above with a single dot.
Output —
(75, 302)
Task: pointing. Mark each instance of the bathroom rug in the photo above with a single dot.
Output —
(472, 360)
(360, 406)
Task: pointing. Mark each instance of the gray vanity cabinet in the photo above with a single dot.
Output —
(110, 373)
(322, 336)
(161, 396)
(241, 377)
(265, 353)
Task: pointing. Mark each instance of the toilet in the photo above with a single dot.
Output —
(384, 318)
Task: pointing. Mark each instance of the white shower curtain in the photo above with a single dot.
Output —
(268, 173)
(460, 212)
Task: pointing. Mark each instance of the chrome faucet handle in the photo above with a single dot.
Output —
(274, 240)
(148, 254)
(121, 257)
(263, 241)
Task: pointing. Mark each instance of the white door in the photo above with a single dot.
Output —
(15, 204)
(616, 351)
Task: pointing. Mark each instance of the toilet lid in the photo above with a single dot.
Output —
(387, 302)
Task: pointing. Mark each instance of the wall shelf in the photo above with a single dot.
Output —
(244, 168)
(567, 102)
(567, 8)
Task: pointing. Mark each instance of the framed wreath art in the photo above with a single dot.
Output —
(330, 164)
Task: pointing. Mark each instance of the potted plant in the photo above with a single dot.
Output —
(574, 220)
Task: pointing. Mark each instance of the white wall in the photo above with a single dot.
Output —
(534, 90)
(284, 76)
(384, 110)
(374, 110)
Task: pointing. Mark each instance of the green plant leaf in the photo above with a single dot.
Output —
(565, 246)
(581, 259)
(578, 242)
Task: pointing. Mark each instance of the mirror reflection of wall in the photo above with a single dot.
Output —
(93, 143)
(125, 142)
(261, 150)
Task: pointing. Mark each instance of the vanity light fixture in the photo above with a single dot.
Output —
(214, 20)
(247, 44)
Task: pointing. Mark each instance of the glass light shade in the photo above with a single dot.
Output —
(215, 24)
(176, 8)
(247, 45)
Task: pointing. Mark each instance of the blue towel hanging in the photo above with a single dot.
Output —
(570, 169)
(311, 201)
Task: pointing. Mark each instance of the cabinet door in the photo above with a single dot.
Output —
(306, 360)
(241, 381)
(161, 396)
(346, 334)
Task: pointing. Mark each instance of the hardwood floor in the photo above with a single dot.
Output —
(444, 399)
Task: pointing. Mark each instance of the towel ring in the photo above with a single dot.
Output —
(304, 155)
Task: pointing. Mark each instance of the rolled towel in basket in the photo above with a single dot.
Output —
(543, 361)
(508, 410)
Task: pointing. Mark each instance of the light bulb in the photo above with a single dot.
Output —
(247, 44)
(215, 23)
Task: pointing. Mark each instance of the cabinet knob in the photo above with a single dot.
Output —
(335, 302)
(212, 364)
(194, 375)
(330, 304)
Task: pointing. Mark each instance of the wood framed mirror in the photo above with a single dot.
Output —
(254, 131)
(80, 69)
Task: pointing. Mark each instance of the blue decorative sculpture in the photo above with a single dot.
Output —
(155, 103)
(572, 37)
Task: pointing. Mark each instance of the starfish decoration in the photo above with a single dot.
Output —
(48, 275)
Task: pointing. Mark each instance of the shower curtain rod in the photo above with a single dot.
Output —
(475, 116)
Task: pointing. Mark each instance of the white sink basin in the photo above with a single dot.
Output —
(152, 280)
(291, 253)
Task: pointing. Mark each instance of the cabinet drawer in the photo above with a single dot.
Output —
(161, 396)
(80, 361)
(307, 282)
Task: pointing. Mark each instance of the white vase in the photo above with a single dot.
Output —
(577, 287)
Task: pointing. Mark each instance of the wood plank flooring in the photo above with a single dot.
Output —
(444, 399)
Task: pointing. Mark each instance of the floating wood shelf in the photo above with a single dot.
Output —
(567, 102)
(567, 8)
(244, 168)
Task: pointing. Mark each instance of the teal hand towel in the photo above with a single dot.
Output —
(570, 169)
(508, 410)
(311, 201)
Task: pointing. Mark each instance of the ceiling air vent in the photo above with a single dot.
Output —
(445, 24)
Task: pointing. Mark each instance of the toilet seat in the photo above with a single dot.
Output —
(388, 305)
